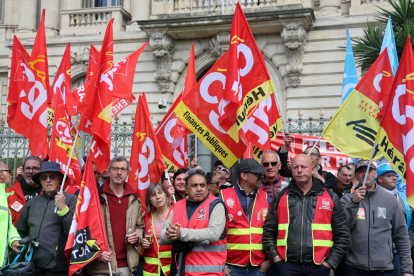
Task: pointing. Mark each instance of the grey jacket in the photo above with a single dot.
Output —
(38, 219)
(375, 223)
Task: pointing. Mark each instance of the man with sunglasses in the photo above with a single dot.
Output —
(38, 219)
(387, 178)
(25, 189)
(213, 184)
(197, 229)
(223, 173)
(122, 214)
(271, 182)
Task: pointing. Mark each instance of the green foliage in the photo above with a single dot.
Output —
(367, 48)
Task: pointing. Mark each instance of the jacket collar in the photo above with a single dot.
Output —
(317, 187)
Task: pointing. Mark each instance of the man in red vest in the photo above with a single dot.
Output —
(196, 228)
(247, 207)
(25, 189)
(305, 231)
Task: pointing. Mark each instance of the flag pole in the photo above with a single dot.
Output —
(110, 268)
(314, 145)
(67, 167)
(166, 120)
(369, 164)
(169, 182)
(283, 118)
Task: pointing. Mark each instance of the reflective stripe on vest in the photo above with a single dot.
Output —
(244, 238)
(322, 236)
(205, 259)
(158, 256)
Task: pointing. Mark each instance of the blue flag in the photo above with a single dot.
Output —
(389, 42)
(350, 72)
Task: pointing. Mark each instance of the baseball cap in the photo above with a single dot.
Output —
(249, 165)
(384, 168)
(364, 163)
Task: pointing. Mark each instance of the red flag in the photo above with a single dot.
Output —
(396, 133)
(147, 163)
(87, 235)
(31, 112)
(62, 83)
(102, 110)
(19, 63)
(247, 80)
(61, 142)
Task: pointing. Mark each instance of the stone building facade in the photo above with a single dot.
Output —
(300, 40)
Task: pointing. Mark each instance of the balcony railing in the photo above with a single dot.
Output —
(90, 20)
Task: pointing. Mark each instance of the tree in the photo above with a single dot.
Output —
(367, 48)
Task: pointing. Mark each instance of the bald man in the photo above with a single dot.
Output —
(305, 233)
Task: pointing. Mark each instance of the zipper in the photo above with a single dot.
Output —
(44, 213)
(301, 231)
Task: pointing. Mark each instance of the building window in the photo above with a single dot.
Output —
(101, 3)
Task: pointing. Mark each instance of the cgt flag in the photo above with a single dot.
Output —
(87, 236)
(62, 83)
(354, 127)
(147, 163)
(247, 80)
(396, 133)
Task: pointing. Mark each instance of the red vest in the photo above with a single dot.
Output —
(16, 201)
(158, 256)
(206, 259)
(244, 238)
(321, 227)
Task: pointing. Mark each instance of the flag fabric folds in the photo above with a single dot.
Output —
(354, 127)
(350, 72)
(389, 43)
(147, 163)
(396, 134)
(87, 235)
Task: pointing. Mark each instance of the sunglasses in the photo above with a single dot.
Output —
(221, 169)
(266, 164)
(51, 177)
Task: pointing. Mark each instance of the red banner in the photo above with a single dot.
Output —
(62, 83)
(87, 235)
(147, 163)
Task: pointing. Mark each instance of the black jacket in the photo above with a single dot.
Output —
(301, 213)
(39, 220)
(330, 179)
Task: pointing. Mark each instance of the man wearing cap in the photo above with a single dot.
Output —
(387, 178)
(38, 219)
(25, 189)
(223, 173)
(197, 229)
(247, 208)
(304, 233)
(376, 222)
(272, 180)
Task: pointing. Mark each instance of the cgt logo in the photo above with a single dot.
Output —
(145, 159)
(179, 152)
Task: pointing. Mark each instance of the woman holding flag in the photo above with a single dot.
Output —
(157, 257)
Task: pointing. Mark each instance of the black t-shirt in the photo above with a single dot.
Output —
(28, 191)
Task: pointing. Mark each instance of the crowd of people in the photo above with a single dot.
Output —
(281, 217)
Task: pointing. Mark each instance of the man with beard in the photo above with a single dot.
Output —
(376, 222)
(25, 189)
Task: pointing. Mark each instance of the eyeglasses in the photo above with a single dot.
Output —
(391, 175)
(266, 164)
(346, 175)
(313, 154)
(51, 177)
(34, 169)
(195, 185)
(9, 171)
(217, 183)
(221, 169)
(123, 170)
(195, 171)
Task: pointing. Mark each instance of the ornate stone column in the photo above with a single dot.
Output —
(28, 15)
(219, 44)
(163, 49)
(52, 16)
(329, 7)
(140, 10)
(294, 36)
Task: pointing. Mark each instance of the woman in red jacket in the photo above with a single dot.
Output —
(157, 257)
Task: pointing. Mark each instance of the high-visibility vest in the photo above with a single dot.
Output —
(158, 256)
(321, 227)
(244, 238)
(207, 259)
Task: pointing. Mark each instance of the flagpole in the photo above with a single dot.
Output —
(314, 145)
(67, 167)
(283, 119)
(165, 121)
(110, 268)
(369, 164)
(169, 181)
